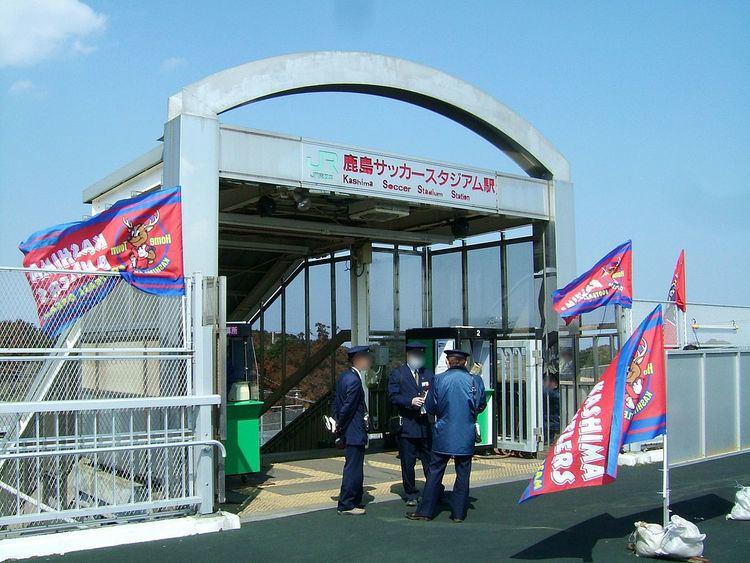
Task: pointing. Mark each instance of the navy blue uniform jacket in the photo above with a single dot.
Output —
(349, 408)
(455, 399)
(401, 390)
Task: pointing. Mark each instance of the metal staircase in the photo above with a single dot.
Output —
(305, 432)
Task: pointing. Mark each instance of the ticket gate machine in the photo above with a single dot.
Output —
(481, 343)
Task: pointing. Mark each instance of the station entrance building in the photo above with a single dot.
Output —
(315, 245)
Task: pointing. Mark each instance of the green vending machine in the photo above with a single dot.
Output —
(481, 343)
(242, 414)
(243, 438)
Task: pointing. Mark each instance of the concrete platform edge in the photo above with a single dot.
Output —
(94, 538)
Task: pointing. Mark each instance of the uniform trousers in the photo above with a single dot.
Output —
(434, 487)
(353, 478)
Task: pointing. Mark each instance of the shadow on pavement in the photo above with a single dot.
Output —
(578, 541)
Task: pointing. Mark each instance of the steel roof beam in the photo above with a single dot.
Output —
(330, 230)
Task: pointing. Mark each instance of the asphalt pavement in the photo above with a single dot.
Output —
(590, 524)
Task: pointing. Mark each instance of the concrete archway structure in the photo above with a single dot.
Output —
(379, 75)
(192, 146)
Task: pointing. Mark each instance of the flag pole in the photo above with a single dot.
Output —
(621, 323)
(684, 326)
(665, 486)
(665, 466)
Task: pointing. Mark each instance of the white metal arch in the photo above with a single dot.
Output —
(367, 73)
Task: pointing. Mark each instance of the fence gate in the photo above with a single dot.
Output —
(519, 395)
(100, 416)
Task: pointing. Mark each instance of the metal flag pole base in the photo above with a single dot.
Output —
(665, 485)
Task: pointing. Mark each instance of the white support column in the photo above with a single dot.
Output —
(359, 281)
(191, 160)
(562, 209)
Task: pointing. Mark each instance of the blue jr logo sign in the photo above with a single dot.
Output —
(325, 168)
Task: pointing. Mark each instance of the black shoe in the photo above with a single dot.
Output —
(456, 520)
(415, 516)
(411, 502)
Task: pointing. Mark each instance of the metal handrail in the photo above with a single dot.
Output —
(74, 356)
(128, 448)
(96, 350)
(59, 271)
(109, 404)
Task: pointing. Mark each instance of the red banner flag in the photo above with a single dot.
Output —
(627, 404)
(609, 281)
(141, 238)
(677, 293)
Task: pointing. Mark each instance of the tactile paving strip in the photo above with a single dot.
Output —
(315, 485)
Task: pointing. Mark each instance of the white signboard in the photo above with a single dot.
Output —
(441, 362)
(392, 177)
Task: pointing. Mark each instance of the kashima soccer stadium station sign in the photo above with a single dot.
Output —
(384, 175)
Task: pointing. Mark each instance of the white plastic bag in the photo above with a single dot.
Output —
(741, 508)
(648, 539)
(682, 539)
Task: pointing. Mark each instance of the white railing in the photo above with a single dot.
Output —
(107, 418)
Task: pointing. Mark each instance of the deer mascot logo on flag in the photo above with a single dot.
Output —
(146, 245)
(637, 380)
(138, 239)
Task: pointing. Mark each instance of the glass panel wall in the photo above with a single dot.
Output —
(319, 303)
(466, 284)
(318, 382)
(381, 292)
(523, 306)
(410, 290)
(485, 287)
(343, 296)
(447, 289)
(294, 351)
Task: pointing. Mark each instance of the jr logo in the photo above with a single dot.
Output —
(326, 167)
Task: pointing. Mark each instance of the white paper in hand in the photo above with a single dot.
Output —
(330, 424)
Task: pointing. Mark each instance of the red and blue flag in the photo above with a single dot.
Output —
(608, 282)
(141, 238)
(677, 293)
(627, 404)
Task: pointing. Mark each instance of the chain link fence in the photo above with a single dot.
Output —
(97, 417)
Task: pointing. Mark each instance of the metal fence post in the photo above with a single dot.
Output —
(221, 370)
(202, 385)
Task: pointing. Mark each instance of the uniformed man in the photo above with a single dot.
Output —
(455, 399)
(408, 386)
(349, 410)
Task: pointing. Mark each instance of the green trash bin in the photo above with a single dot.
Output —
(485, 420)
(243, 438)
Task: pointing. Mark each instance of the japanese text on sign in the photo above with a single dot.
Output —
(410, 180)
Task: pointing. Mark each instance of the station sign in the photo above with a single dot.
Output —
(388, 176)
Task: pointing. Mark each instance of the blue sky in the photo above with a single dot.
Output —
(648, 102)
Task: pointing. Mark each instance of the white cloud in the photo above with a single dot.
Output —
(173, 63)
(25, 87)
(20, 86)
(34, 30)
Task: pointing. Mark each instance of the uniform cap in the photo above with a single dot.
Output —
(354, 350)
(415, 346)
(456, 354)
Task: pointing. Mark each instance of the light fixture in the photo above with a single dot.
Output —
(266, 206)
(302, 197)
(460, 227)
